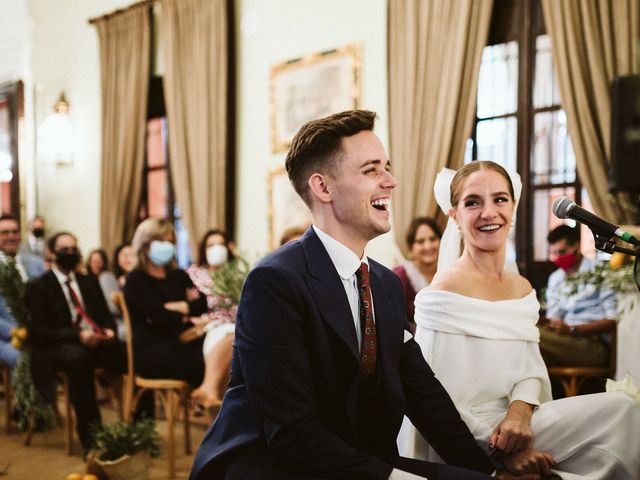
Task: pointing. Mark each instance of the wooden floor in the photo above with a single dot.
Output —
(46, 459)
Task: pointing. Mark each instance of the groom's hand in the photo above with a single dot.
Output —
(503, 475)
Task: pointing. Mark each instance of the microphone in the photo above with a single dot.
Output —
(565, 208)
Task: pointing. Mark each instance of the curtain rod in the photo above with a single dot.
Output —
(121, 10)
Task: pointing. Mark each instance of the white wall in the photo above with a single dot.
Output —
(65, 57)
(271, 32)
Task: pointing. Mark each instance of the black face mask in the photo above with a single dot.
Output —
(38, 232)
(68, 259)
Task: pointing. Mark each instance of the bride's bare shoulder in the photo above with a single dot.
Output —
(451, 280)
(521, 284)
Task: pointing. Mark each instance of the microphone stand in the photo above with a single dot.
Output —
(605, 244)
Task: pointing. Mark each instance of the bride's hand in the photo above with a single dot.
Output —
(513, 434)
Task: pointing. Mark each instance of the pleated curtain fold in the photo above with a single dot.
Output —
(592, 42)
(124, 65)
(435, 48)
(195, 37)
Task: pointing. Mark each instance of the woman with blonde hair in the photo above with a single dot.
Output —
(161, 300)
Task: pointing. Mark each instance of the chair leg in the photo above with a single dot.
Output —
(184, 394)
(69, 420)
(8, 397)
(170, 400)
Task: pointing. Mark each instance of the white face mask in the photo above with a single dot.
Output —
(217, 255)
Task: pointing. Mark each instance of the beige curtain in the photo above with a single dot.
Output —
(435, 48)
(195, 36)
(593, 42)
(124, 63)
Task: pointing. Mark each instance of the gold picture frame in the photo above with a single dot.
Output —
(313, 87)
(286, 208)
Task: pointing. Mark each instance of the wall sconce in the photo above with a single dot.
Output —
(55, 135)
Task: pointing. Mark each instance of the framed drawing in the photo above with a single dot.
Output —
(286, 209)
(312, 87)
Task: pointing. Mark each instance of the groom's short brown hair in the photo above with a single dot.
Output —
(318, 144)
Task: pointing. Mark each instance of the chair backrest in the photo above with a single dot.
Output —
(118, 300)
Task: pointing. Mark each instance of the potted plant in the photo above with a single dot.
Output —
(123, 450)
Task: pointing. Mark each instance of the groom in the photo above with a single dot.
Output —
(324, 367)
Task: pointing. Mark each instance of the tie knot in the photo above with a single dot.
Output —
(362, 274)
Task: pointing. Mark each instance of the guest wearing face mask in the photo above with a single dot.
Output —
(161, 299)
(35, 244)
(218, 323)
(72, 331)
(577, 332)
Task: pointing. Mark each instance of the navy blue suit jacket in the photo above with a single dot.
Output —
(295, 376)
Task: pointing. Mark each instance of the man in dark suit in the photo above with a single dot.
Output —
(72, 331)
(324, 366)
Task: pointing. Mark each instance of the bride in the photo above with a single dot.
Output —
(476, 325)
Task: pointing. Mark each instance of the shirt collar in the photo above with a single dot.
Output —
(342, 257)
(62, 277)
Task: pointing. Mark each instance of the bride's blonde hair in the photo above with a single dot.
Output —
(476, 166)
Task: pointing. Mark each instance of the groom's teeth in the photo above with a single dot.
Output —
(488, 228)
(381, 204)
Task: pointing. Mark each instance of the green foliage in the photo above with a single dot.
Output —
(30, 406)
(123, 438)
(602, 276)
(228, 281)
(12, 289)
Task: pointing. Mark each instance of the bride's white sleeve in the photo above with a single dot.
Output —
(531, 381)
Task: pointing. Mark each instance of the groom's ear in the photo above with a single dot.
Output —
(319, 188)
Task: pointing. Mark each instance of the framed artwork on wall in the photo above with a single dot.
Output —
(313, 87)
(286, 208)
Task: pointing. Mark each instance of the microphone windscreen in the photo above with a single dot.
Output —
(561, 207)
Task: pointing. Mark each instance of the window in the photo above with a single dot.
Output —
(158, 199)
(11, 108)
(520, 124)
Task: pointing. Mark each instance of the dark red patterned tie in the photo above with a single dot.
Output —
(369, 347)
(82, 317)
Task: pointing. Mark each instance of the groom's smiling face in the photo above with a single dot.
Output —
(361, 187)
(485, 210)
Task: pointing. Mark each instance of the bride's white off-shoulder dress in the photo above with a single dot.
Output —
(486, 355)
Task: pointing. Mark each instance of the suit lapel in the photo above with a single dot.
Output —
(327, 289)
(59, 294)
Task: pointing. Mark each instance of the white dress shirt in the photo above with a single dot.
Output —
(62, 278)
(347, 263)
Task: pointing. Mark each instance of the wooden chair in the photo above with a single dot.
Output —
(114, 383)
(572, 378)
(173, 393)
(8, 396)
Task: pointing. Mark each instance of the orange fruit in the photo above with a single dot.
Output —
(89, 476)
(21, 333)
(74, 476)
(16, 343)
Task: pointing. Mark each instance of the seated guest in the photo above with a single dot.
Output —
(123, 262)
(161, 299)
(29, 266)
(323, 366)
(423, 241)
(476, 325)
(98, 266)
(72, 331)
(576, 333)
(219, 322)
(35, 244)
